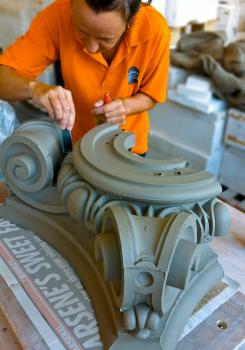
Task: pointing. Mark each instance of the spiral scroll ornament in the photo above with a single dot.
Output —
(29, 160)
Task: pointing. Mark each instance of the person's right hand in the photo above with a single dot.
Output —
(57, 101)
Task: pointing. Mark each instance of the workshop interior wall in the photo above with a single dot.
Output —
(16, 15)
(15, 18)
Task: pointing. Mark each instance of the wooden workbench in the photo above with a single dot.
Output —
(18, 333)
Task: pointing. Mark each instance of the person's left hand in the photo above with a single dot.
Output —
(112, 112)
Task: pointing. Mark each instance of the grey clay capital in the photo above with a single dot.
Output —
(141, 226)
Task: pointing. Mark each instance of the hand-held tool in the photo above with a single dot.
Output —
(107, 99)
(66, 141)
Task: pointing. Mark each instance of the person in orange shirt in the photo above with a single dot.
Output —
(119, 46)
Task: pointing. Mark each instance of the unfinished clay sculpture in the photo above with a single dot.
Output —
(206, 53)
(135, 230)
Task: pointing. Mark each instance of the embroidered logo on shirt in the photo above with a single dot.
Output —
(133, 74)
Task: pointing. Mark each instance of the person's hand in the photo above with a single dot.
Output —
(112, 112)
(57, 101)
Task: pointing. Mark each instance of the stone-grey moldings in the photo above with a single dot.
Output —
(30, 159)
(140, 227)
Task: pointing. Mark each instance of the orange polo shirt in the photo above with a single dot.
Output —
(139, 65)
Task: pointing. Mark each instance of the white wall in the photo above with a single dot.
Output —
(181, 12)
(160, 5)
(241, 27)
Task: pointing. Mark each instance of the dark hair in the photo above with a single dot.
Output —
(127, 8)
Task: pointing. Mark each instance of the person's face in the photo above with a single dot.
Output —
(99, 32)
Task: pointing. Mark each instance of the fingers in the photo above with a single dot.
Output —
(71, 116)
(99, 103)
(62, 106)
(113, 112)
(55, 103)
(59, 104)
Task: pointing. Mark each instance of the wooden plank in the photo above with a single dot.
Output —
(233, 198)
(8, 340)
(237, 224)
(18, 331)
(3, 192)
(208, 335)
(19, 323)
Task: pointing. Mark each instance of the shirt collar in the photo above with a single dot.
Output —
(68, 17)
(140, 30)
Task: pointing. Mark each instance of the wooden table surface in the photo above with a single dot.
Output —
(230, 250)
